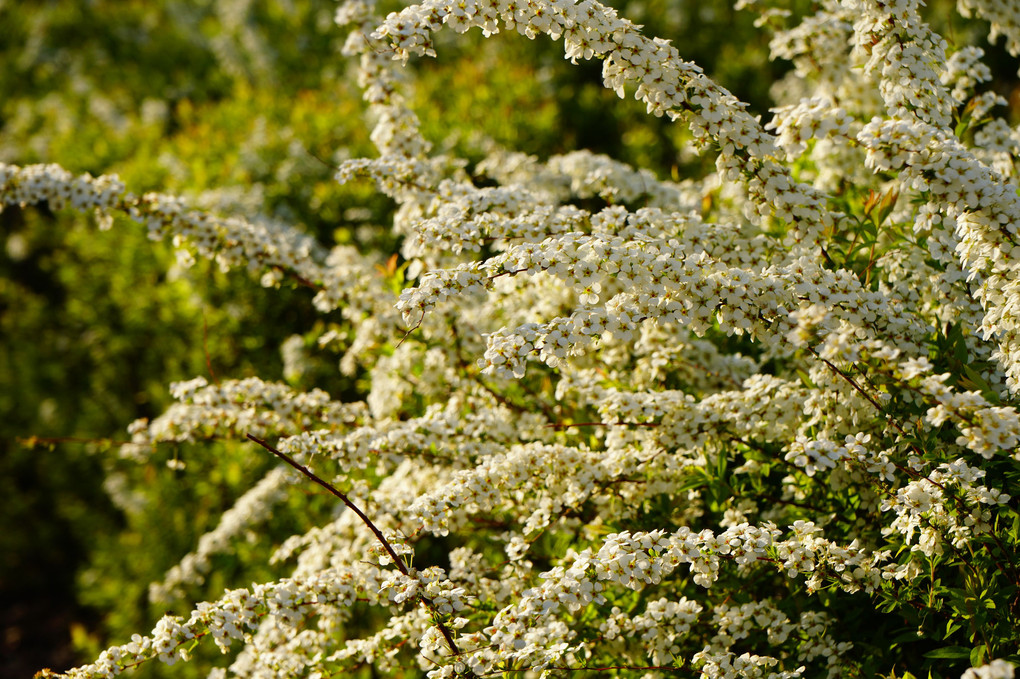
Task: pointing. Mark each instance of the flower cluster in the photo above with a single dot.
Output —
(610, 422)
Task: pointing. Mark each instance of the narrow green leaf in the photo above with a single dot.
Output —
(949, 653)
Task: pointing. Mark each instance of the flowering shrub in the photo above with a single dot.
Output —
(756, 423)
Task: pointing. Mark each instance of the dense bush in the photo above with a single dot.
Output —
(714, 397)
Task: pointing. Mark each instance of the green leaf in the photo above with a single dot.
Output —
(949, 653)
(974, 380)
(805, 378)
(698, 479)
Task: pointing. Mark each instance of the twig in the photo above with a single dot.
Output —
(471, 373)
(410, 330)
(602, 424)
(1015, 575)
(447, 635)
(300, 280)
(668, 668)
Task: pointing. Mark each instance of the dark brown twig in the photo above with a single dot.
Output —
(602, 424)
(447, 635)
(1014, 576)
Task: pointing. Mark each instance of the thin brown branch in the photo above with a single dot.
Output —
(300, 280)
(410, 330)
(1015, 575)
(602, 424)
(472, 373)
(447, 635)
(667, 668)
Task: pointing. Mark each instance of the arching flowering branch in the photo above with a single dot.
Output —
(667, 84)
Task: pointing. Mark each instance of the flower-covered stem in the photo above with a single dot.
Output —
(663, 81)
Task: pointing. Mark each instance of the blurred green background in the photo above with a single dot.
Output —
(231, 104)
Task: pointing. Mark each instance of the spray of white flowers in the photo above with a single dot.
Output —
(661, 437)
